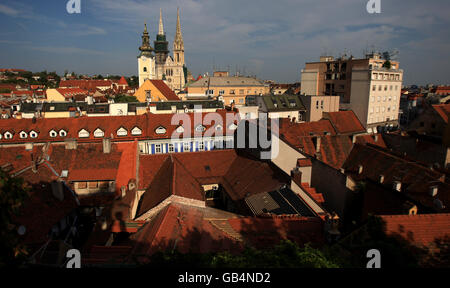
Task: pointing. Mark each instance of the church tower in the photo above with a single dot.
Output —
(161, 48)
(178, 44)
(146, 60)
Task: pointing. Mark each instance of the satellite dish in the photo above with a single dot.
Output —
(21, 230)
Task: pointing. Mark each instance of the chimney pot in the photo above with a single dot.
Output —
(106, 145)
(398, 186)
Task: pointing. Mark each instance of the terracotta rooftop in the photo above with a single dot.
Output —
(443, 110)
(345, 122)
(165, 90)
(421, 230)
(147, 124)
(416, 179)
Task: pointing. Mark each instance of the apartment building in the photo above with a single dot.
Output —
(365, 86)
(230, 89)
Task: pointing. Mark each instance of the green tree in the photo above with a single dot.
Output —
(13, 194)
(286, 254)
(125, 99)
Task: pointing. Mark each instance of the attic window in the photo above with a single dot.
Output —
(219, 127)
(180, 129)
(33, 134)
(83, 133)
(23, 134)
(99, 133)
(62, 133)
(53, 133)
(232, 126)
(200, 128)
(136, 131)
(122, 132)
(160, 130)
(207, 168)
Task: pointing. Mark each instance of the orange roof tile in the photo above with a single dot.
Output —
(420, 229)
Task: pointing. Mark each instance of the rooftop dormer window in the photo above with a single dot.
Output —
(232, 126)
(53, 133)
(180, 129)
(122, 132)
(160, 130)
(136, 131)
(98, 133)
(23, 135)
(33, 134)
(8, 135)
(200, 128)
(62, 133)
(83, 133)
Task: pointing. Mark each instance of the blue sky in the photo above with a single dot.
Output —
(270, 39)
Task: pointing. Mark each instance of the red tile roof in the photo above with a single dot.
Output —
(421, 230)
(334, 147)
(345, 122)
(123, 81)
(416, 179)
(186, 229)
(304, 162)
(90, 85)
(72, 92)
(165, 90)
(148, 123)
(443, 110)
(263, 232)
(41, 211)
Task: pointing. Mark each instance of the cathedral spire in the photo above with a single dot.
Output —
(161, 26)
(178, 37)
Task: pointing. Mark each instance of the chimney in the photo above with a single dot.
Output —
(360, 169)
(316, 141)
(332, 227)
(106, 145)
(433, 191)
(33, 164)
(381, 179)
(375, 137)
(123, 191)
(296, 176)
(398, 186)
(71, 144)
(58, 190)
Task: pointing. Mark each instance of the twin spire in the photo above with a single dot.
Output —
(161, 26)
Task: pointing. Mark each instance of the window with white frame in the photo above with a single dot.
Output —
(186, 146)
(62, 133)
(201, 146)
(180, 129)
(171, 148)
(8, 135)
(158, 148)
(99, 133)
(33, 134)
(160, 130)
(122, 132)
(136, 131)
(23, 134)
(200, 128)
(374, 88)
(53, 133)
(83, 133)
